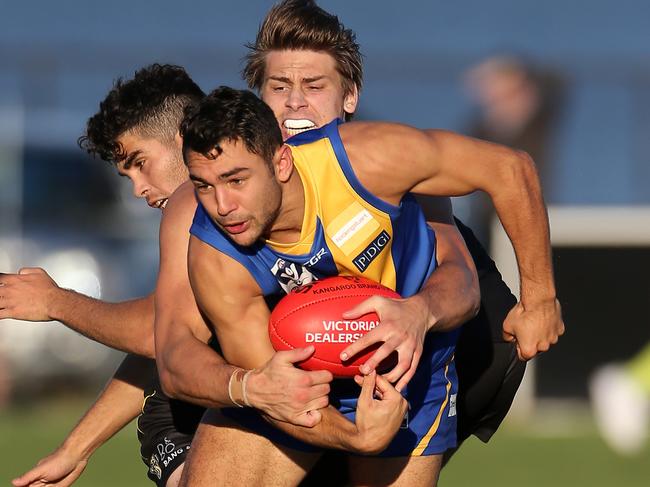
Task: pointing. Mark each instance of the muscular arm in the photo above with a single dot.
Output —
(444, 163)
(118, 404)
(33, 295)
(236, 308)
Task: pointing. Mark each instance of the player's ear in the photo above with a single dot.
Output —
(351, 100)
(283, 163)
(178, 140)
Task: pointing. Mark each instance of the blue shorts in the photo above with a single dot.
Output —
(429, 427)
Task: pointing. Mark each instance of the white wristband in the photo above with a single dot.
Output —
(243, 388)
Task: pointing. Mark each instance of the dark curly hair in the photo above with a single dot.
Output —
(151, 104)
(227, 114)
(303, 25)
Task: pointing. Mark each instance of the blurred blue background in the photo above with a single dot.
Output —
(73, 216)
(59, 59)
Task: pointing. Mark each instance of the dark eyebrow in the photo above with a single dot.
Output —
(232, 172)
(131, 157)
(284, 79)
(198, 179)
(315, 78)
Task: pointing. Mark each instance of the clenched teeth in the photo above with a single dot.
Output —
(296, 126)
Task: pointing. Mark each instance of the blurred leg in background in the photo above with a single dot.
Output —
(620, 397)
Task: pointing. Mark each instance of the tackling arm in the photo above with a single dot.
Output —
(511, 180)
(444, 163)
(33, 295)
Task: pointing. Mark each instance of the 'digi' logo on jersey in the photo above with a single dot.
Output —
(363, 260)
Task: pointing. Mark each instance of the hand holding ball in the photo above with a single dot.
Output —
(312, 315)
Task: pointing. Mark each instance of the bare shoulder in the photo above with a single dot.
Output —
(353, 133)
(376, 149)
(180, 206)
(213, 270)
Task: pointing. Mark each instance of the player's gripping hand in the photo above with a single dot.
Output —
(402, 328)
(534, 327)
(287, 393)
(27, 295)
(380, 412)
(61, 469)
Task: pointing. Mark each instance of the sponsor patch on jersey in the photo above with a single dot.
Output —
(370, 253)
(352, 227)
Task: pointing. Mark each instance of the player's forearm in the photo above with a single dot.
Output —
(520, 206)
(126, 326)
(333, 431)
(118, 404)
(191, 371)
(450, 297)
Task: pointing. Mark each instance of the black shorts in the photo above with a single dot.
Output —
(489, 371)
(165, 430)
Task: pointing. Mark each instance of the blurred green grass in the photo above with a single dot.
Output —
(28, 433)
(554, 453)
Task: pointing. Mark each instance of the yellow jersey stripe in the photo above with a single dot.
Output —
(424, 442)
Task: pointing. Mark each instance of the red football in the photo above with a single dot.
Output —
(311, 315)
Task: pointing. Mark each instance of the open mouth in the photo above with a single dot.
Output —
(297, 126)
(236, 228)
(160, 204)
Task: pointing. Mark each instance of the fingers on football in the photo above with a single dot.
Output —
(297, 354)
(365, 307)
(361, 344)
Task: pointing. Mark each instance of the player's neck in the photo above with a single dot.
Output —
(289, 222)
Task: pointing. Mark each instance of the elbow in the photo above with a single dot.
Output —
(168, 383)
(168, 380)
(148, 346)
(520, 171)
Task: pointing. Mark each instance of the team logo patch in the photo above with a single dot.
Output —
(370, 253)
(154, 467)
(291, 275)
